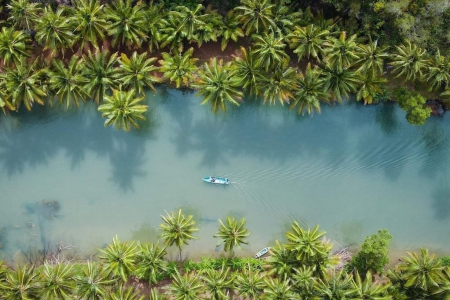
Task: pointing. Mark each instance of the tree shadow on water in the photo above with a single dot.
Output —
(441, 203)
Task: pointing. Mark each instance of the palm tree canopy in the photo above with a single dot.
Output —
(178, 68)
(123, 109)
(185, 287)
(341, 53)
(245, 72)
(119, 258)
(136, 72)
(409, 61)
(177, 229)
(88, 20)
(280, 85)
(216, 86)
(256, 15)
(57, 282)
(24, 14)
(307, 41)
(269, 50)
(233, 233)
(14, 46)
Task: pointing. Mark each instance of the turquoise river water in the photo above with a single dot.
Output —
(353, 169)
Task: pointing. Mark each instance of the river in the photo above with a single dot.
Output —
(352, 169)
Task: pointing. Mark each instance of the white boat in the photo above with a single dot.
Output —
(262, 252)
(217, 180)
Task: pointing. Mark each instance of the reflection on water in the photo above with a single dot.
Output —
(353, 169)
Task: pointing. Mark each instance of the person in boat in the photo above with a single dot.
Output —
(213, 179)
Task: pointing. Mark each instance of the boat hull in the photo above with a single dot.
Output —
(216, 180)
(262, 252)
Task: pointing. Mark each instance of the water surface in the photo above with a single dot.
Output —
(352, 169)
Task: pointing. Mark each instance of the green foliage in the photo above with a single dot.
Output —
(185, 287)
(21, 284)
(382, 96)
(150, 262)
(445, 261)
(413, 104)
(218, 283)
(179, 67)
(58, 282)
(232, 234)
(119, 258)
(93, 281)
(373, 255)
(235, 263)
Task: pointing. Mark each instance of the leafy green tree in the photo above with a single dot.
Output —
(216, 85)
(269, 50)
(189, 20)
(217, 283)
(150, 263)
(53, 30)
(178, 229)
(371, 58)
(417, 112)
(438, 72)
(126, 22)
(256, 15)
(285, 17)
(14, 46)
(179, 68)
(409, 61)
(249, 283)
(279, 289)
(101, 74)
(57, 282)
(211, 28)
(340, 82)
(369, 88)
(23, 14)
(154, 20)
(119, 258)
(232, 234)
(245, 72)
(23, 86)
(231, 29)
(123, 109)
(185, 287)
(342, 52)
(89, 21)
(280, 85)
(123, 293)
(93, 282)
(155, 295)
(310, 91)
(303, 282)
(67, 82)
(308, 41)
(136, 72)
(367, 289)
(22, 284)
(172, 34)
(373, 255)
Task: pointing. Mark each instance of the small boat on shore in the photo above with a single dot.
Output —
(217, 180)
(262, 252)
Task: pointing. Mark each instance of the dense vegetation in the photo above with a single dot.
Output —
(302, 268)
(85, 50)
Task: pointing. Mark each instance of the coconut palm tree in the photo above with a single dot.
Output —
(335, 285)
(255, 15)
(245, 72)
(22, 284)
(189, 20)
(284, 17)
(67, 82)
(367, 289)
(232, 234)
(280, 85)
(310, 91)
(178, 229)
(53, 30)
(341, 53)
(155, 295)
(14, 46)
(303, 281)
(185, 287)
(119, 258)
(217, 283)
(88, 21)
(178, 68)
(249, 284)
(57, 282)
(123, 293)
(93, 282)
(308, 41)
(371, 58)
(340, 82)
(409, 61)
(438, 73)
(23, 86)
(369, 87)
(172, 34)
(101, 74)
(23, 14)
(424, 272)
(154, 20)
(136, 72)
(150, 262)
(282, 261)
(279, 289)
(269, 50)
(216, 86)
(231, 29)
(123, 109)
(211, 28)
(126, 23)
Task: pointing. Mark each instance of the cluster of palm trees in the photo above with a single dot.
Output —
(337, 65)
(303, 268)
